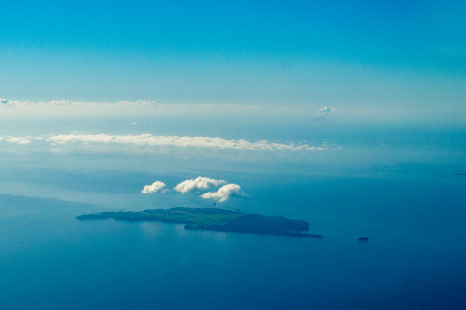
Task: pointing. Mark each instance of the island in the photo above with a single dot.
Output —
(213, 219)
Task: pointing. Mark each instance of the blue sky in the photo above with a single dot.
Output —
(407, 55)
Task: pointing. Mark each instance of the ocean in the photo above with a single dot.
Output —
(413, 216)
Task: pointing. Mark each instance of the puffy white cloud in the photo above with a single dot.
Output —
(199, 183)
(223, 192)
(179, 141)
(155, 187)
(324, 112)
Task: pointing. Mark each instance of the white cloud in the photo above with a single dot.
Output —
(223, 192)
(199, 183)
(19, 140)
(324, 112)
(112, 104)
(155, 187)
(69, 108)
(179, 141)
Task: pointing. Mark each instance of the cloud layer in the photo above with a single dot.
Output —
(70, 109)
(199, 183)
(223, 192)
(179, 141)
(155, 187)
(20, 140)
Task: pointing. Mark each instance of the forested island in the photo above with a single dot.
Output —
(213, 219)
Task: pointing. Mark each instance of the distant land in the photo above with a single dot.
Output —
(213, 219)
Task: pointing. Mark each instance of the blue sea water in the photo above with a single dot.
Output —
(414, 217)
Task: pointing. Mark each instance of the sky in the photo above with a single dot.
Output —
(400, 59)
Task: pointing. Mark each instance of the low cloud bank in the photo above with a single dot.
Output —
(19, 140)
(70, 109)
(149, 140)
(178, 141)
(223, 192)
(199, 183)
(155, 187)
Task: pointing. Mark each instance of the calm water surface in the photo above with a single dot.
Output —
(414, 259)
